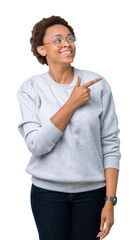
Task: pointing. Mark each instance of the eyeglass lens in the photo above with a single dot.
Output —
(59, 41)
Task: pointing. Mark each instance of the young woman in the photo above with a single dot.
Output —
(70, 126)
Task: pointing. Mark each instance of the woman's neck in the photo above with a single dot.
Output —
(62, 74)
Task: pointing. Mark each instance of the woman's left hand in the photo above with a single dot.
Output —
(107, 216)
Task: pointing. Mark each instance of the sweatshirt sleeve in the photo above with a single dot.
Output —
(39, 139)
(109, 132)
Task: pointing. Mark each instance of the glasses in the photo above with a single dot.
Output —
(60, 41)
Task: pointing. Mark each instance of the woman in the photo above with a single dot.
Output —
(70, 126)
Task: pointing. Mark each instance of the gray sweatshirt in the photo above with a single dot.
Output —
(72, 160)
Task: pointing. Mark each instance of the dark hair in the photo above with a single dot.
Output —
(39, 31)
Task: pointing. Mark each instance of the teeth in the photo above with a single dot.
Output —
(66, 52)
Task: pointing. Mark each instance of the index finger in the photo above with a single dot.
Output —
(92, 82)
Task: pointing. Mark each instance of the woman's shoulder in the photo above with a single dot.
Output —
(27, 86)
(88, 75)
(30, 81)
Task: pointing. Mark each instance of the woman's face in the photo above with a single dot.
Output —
(53, 53)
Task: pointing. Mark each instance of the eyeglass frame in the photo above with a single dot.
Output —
(62, 41)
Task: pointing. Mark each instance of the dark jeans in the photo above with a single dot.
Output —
(67, 216)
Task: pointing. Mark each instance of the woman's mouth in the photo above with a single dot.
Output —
(67, 53)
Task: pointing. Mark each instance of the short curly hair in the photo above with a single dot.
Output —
(39, 31)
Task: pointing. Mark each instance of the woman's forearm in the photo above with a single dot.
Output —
(107, 214)
(111, 175)
(63, 115)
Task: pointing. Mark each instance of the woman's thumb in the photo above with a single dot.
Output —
(78, 81)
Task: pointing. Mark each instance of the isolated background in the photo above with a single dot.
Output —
(107, 44)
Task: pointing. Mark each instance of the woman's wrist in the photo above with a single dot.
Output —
(109, 203)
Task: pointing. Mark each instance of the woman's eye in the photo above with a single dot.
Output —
(72, 39)
(58, 40)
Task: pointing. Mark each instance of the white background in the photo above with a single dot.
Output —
(107, 44)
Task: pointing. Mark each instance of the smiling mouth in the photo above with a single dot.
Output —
(66, 53)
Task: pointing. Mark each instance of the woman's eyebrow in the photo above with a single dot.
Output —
(61, 35)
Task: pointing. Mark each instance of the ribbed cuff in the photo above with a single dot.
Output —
(112, 162)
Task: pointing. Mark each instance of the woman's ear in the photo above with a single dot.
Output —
(41, 50)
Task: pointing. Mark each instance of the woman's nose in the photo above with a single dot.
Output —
(65, 43)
